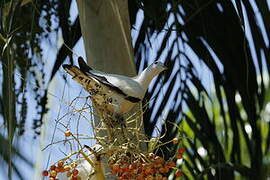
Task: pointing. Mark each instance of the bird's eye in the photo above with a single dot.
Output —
(156, 62)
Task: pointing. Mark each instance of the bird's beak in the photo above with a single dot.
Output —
(165, 67)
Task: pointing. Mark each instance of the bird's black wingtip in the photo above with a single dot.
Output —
(133, 99)
(66, 66)
(81, 61)
(83, 65)
(80, 58)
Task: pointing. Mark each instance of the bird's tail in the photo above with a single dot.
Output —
(77, 74)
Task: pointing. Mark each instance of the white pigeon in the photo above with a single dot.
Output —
(117, 93)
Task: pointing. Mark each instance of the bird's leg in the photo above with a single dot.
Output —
(103, 117)
(123, 127)
(113, 121)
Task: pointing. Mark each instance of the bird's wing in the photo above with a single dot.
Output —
(78, 75)
(123, 85)
(73, 70)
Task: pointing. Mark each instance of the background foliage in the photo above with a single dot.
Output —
(223, 116)
(216, 89)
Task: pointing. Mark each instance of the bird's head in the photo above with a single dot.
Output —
(145, 77)
(158, 67)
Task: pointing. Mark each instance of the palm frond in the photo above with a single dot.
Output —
(228, 42)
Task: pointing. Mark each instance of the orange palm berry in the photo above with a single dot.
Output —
(133, 166)
(51, 178)
(125, 168)
(67, 168)
(61, 169)
(158, 166)
(73, 164)
(159, 160)
(166, 169)
(178, 173)
(149, 171)
(175, 140)
(60, 163)
(158, 177)
(53, 173)
(162, 170)
(45, 173)
(143, 167)
(151, 155)
(57, 169)
(75, 172)
(139, 170)
(150, 177)
(171, 164)
(68, 133)
(140, 177)
(113, 171)
(52, 167)
(151, 165)
(181, 150)
(115, 167)
(180, 156)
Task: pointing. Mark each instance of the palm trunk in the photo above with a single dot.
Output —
(106, 33)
